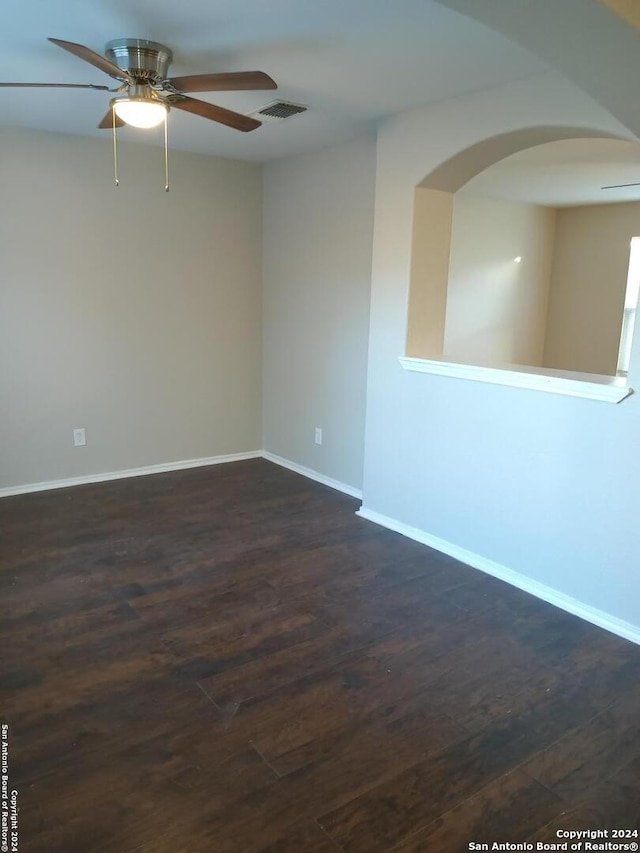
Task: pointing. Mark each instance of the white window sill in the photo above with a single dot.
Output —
(609, 389)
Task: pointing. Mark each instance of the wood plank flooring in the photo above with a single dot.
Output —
(229, 660)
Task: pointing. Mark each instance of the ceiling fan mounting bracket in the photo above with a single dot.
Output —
(142, 60)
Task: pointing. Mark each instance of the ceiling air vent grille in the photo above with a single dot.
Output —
(278, 111)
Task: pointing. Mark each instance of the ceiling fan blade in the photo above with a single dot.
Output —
(92, 58)
(219, 114)
(619, 186)
(53, 86)
(107, 121)
(228, 82)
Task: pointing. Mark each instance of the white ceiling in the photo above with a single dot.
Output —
(584, 40)
(351, 61)
(564, 173)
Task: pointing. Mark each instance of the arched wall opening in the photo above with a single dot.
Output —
(433, 221)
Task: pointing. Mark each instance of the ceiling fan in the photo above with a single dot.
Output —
(620, 186)
(146, 94)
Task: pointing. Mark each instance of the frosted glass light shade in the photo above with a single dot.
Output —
(140, 112)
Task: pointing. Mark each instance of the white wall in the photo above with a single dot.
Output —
(588, 285)
(130, 312)
(318, 230)
(497, 308)
(545, 485)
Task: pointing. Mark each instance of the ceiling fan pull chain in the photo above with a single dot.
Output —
(115, 146)
(166, 153)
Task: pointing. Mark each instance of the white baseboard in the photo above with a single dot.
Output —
(313, 475)
(129, 472)
(565, 602)
(180, 466)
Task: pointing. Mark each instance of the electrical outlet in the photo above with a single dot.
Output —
(318, 435)
(79, 437)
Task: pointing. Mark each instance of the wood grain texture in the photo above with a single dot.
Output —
(229, 659)
(506, 809)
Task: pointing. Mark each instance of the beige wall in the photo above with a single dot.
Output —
(588, 286)
(432, 221)
(130, 312)
(496, 308)
(318, 223)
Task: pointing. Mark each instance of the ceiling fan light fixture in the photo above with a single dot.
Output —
(140, 112)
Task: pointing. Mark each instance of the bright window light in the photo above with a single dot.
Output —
(630, 308)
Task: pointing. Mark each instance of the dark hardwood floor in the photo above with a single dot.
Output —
(229, 660)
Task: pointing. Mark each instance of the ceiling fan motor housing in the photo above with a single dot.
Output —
(144, 60)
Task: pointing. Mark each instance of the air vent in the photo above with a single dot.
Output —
(278, 111)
